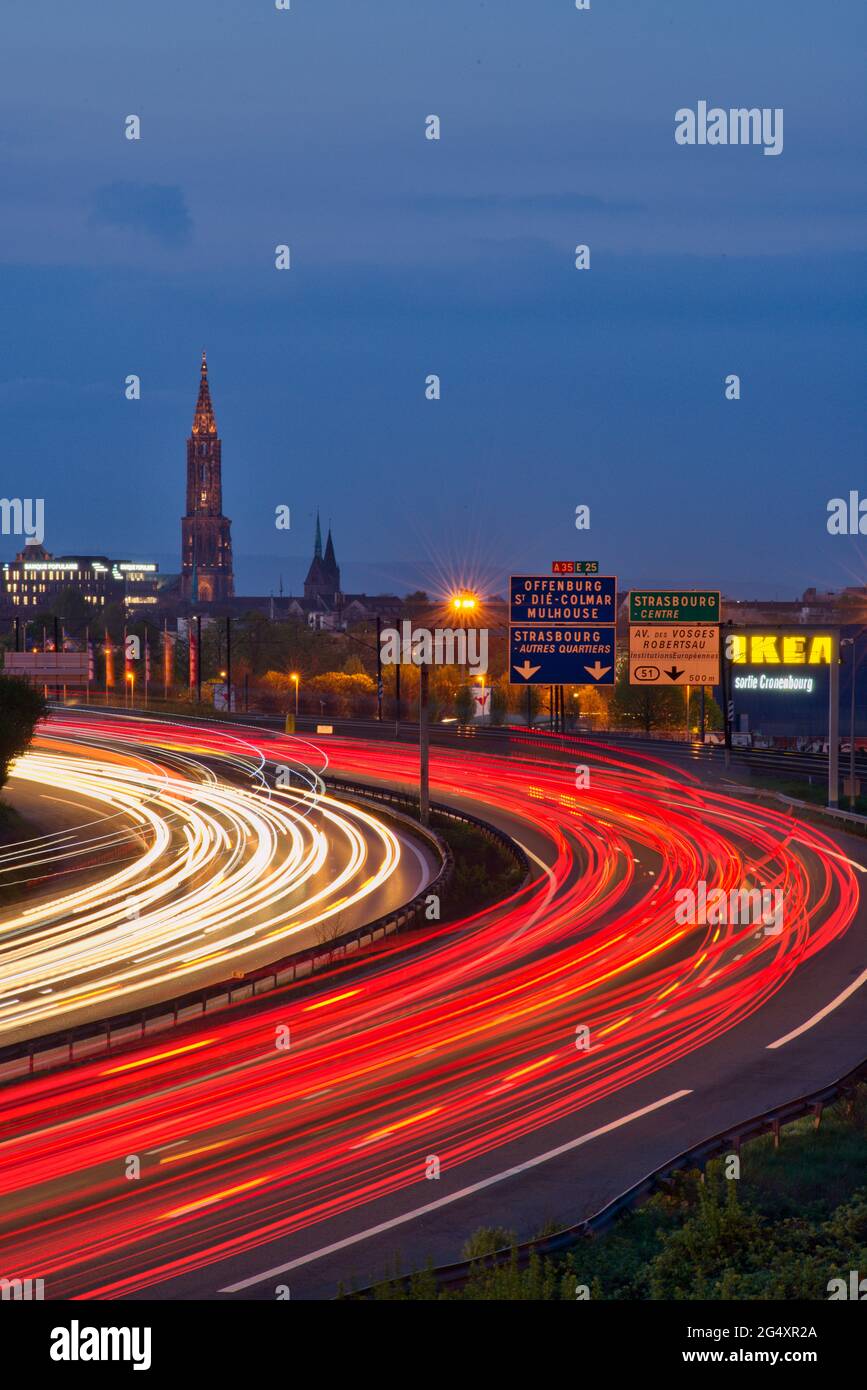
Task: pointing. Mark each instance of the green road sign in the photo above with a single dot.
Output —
(674, 606)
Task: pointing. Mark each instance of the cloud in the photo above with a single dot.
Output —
(155, 208)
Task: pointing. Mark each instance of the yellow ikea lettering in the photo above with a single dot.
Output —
(763, 650)
(775, 649)
(794, 650)
(821, 649)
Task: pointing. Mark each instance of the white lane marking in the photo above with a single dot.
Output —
(425, 872)
(823, 1013)
(454, 1197)
(833, 853)
(552, 887)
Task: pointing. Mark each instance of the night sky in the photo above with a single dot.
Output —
(455, 257)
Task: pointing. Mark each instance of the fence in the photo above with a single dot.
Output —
(727, 1141)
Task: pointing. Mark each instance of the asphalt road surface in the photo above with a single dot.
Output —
(515, 1068)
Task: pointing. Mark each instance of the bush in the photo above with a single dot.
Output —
(21, 708)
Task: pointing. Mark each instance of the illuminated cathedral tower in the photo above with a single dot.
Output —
(206, 540)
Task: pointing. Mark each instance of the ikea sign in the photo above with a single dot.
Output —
(780, 648)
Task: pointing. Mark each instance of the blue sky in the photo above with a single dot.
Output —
(454, 257)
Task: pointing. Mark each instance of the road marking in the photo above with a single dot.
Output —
(833, 853)
(823, 1013)
(454, 1197)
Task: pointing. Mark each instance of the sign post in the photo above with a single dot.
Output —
(668, 654)
(834, 727)
(781, 660)
(561, 629)
(674, 606)
(423, 746)
(674, 640)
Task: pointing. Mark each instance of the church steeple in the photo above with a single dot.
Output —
(204, 420)
(206, 543)
(322, 585)
(330, 557)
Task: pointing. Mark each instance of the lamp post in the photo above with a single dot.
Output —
(851, 642)
(229, 663)
(423, 746)
(295, 680)
(834, 722)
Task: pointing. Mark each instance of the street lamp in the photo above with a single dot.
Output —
(130, 677)
(295, 679)
(464, 603)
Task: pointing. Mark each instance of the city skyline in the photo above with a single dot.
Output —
(412, 257)
(265, 571)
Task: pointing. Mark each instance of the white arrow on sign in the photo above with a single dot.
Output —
(527, 670)
(597, 670)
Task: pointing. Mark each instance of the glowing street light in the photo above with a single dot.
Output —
(295, 678)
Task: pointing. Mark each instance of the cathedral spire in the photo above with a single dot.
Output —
(204, 420)
(206, 538)
(317, 549)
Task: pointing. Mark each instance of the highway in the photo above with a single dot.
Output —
(522, 1066)
(171, 863)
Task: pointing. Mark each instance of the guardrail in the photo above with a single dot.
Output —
(87, 1039)
(726, 1141)
(853, 818)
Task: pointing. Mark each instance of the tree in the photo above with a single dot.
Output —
(518, 700)
(343, 695)
(713, 717)
(647, 707)
(499, 700)
(464, 704)
(21, 708)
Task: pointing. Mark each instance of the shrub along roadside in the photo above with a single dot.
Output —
(794, 1221)
(485, 872)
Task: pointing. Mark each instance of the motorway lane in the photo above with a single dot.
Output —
(168, 865)
(251, 1165)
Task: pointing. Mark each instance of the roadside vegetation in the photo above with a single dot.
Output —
(795, 1220)
(21, 708)
(813, 791)
(485, 872)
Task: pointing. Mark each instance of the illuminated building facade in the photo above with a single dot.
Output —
(35, 579)
(206, 540)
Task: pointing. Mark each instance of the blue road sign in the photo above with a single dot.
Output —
(560, 654)
(563, 598)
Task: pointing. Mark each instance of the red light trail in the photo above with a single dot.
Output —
(454, 1043)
